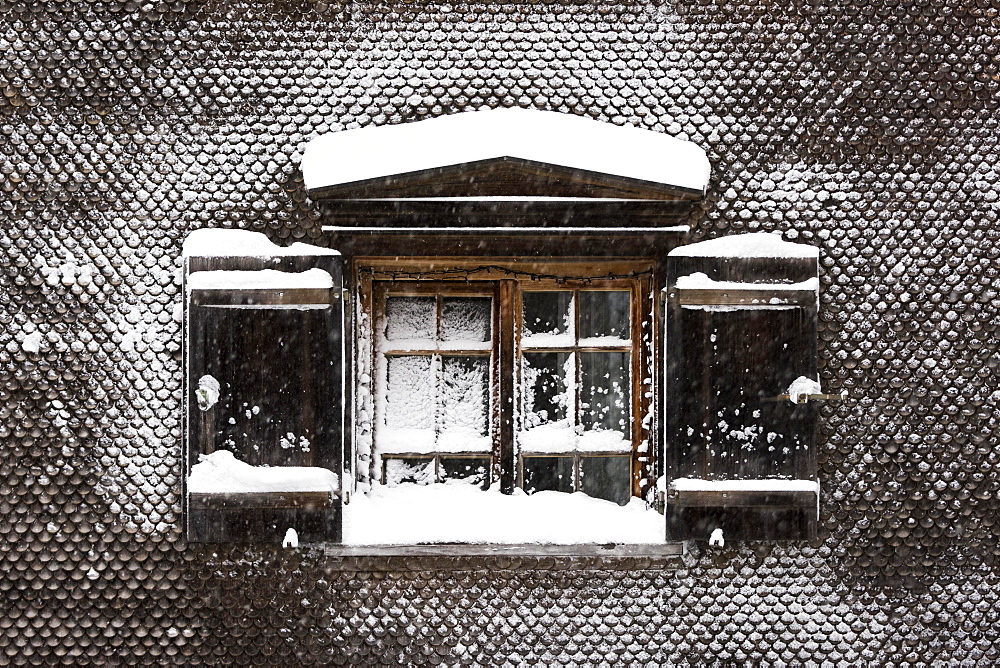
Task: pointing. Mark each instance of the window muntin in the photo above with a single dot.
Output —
(434, 365)
(576, 366)
(565, 335)
(576, 426)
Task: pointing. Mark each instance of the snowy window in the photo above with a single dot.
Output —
(435, 355)
(440, 403)
(575, 358)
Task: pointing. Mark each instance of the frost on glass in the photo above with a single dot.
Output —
(465, 319)
(417, 470)
(604, 391)
(439, 402)
(464, 394)
(546, 386)
(547, 318)
(410, 318)
(604, 315)
(427, 470)
(409, 396)
(468, 470)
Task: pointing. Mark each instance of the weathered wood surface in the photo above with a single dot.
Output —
(554, 216)
(505, 177)
(250, 500)
(490, 246)
(757, 523)
(742, 498)
(472, 550)
(266, 525)
(251, 298)
(759, 297)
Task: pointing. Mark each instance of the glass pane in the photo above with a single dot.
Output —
(606, 478)
(547, 318)
(465, 394)
(470, 470)
(604, 314)
(604, 391)
(466, 319)
(411, 469)
(547, 396)
(409, 396)
(547, 473)
(410, 318)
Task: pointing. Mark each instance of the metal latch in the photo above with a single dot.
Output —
(806, 398)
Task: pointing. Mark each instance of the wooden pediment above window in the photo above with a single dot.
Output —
(504, 154)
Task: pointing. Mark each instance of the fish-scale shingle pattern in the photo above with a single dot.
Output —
(869, 130)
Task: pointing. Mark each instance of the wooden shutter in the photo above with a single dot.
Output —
(740, 450)
(268, 331)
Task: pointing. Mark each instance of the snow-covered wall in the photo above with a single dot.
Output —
(869, 130)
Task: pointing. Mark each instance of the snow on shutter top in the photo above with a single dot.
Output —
(262, 279)
(262, 288)
(213, 242)
(504, 154)
(753, 245)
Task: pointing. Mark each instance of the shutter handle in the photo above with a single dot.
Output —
(806, 398)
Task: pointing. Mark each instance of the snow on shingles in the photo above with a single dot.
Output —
(212, 242)
(701, 281)
(264, 279)
(221, 473)
(32, 343)
(548, 137)
(411, 514)
(755, 244)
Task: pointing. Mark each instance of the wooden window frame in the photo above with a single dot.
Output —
(438, 290)
(509, 279)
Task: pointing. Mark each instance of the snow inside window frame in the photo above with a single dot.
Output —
(372, 277)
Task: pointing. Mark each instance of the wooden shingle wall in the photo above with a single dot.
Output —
(867, 129)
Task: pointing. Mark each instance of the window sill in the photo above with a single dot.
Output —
(452, 556)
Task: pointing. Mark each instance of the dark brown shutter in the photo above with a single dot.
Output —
(740, 454)
(277, 355)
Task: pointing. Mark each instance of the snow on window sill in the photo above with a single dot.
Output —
(449, 514)
(463, 556)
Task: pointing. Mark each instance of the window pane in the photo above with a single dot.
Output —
(410, 318)
(604, 314)
(465, 395)
(470, 470)
(466, 319)
(548, 473)
(547, 318)
(410, 469)
(606, 478)
(409, 396)
(546, 390)
(604, 391)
